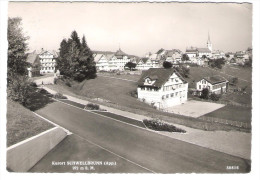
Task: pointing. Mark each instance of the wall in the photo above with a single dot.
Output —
(22, 156)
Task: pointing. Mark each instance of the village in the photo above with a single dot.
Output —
(166, 99)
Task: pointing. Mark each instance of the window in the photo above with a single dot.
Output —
(172, 94)
(199, 86)
(167, 96)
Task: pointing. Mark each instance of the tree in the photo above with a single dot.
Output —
(76, 59)
(217, 63)
(205, 93)
(185, 57)
(167, 65)
(18, 87)
(204, 56)
(234, 81)
(130, 65)
(184, 71)
(17, 47)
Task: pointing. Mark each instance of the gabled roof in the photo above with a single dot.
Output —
(191, 50)
(159, 75)
(203, 50)
(97, 57)
(144, 59)
(33, 58)
(119, 53)
(160, 51)
(215, 79)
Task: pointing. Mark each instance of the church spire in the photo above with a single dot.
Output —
(208, 37)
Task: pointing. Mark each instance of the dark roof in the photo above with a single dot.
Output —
(191, 50)
(215, 79)
(144, 59)
(160, 75)
(160, 50)
(33, 58)
(103, 52)
(119, 53)
(203, 50)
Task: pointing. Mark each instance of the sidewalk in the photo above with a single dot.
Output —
(232, 142)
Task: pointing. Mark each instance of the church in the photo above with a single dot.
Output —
(200, 52)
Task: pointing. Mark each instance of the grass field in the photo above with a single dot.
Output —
(22, 123)
(229, 112)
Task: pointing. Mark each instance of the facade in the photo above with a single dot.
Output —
(162, 88)
(101, 62)
(48, 61)
(144, 64)
(215, 84)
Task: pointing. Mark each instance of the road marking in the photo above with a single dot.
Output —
(115, 154)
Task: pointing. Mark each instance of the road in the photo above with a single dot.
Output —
(144, 150)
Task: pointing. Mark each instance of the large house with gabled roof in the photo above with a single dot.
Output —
(162, 88)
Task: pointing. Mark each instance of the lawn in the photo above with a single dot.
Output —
(235, 113)
(116, 92)
(197, 73)
(22, 123)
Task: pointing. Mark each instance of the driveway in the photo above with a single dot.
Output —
(194, 108)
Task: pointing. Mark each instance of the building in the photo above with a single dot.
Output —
(101, 62)
(48, 61)
(162, 88)
(144, 64)
(174, 56)
(215, 84)
(34, 63)
(194, 53)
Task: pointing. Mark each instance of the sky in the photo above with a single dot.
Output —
(137, 28)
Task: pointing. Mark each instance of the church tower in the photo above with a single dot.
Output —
(209, 45)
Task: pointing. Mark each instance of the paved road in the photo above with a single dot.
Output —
(149, 151)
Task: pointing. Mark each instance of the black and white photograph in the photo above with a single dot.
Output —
(139, 87)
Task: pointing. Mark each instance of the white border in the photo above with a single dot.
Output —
(255, 173)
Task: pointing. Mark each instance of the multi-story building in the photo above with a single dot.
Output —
(162, 88)
(48, 61)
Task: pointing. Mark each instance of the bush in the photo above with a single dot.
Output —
(133, 93)
(33, 84)
(59, 96)
(68, 83)
(20, 90)
(205, 93)
(91, 106)
(55, 80)
(215, 97)
(159, 125)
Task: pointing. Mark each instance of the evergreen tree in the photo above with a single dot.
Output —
(76, 59)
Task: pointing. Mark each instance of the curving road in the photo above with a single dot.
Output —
(134, 148)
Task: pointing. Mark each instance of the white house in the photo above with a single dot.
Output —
(144, 64)
(48, 61)
(101, 62)
(215, 84)
(162, 88)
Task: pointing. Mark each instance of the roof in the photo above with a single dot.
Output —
(203, 50)
(192, 50)
(144, 59)
(160, 75)
(97, 57)
(119, 53)
(109, 56)
(160, 51)
(33, 58)
(215, 79)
